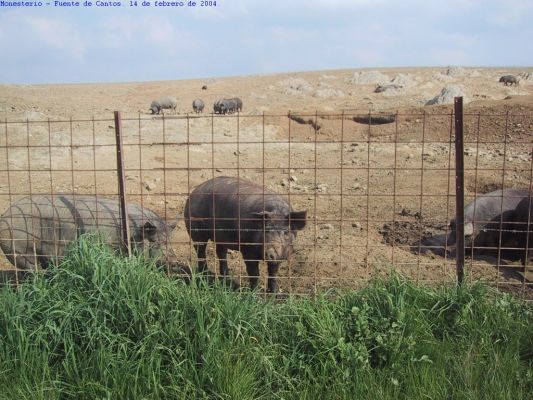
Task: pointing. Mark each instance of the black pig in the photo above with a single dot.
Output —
(238, 214)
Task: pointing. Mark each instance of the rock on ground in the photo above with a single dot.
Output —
(446, 95)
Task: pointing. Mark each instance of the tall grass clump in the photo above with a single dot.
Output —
(100, 326)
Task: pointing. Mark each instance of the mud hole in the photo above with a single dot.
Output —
(303, 121)
(409, 233)
(374, 119)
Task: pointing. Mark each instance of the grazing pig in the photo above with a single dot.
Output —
(198, 106)
(523, 227)
(489, 219)
(509, 80)
(222, 106)
(217, 109)
(238, 214)
(238, 104)
(36, 230)
(485, 218)
(164, 103)
(228, 106)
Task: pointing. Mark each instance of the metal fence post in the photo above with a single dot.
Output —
(459, 190)
(122, 184)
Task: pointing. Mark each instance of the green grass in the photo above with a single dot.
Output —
(105, 327)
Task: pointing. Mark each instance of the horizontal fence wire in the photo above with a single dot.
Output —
(379, 197)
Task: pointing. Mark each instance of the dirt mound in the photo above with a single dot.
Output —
(405, 80)
(460, 71)
(446, 95)
(410, 233)
(295, 86)
(328, 92)
(438, 77)
(526, 76)
(368, 78)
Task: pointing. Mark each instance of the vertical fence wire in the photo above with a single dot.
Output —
(122, 183)
(529, 228)
(459, 190)
(10, 198)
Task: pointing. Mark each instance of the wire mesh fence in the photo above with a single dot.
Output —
(378, 189)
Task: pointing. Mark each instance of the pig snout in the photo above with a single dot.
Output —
(271, 254)
(276, 252)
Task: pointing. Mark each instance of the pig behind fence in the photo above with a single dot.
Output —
(489, 226)
(198, 105)
(164, 103)
(239, 215)
(35, 230)
(523, 226)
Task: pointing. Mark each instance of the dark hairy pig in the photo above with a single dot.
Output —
(489, 221)
(239, 215)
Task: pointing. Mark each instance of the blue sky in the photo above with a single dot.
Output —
(238, 37)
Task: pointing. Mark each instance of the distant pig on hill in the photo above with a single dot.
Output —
(198, 106)
(508, 80)
(239, 215)
(238, 103)
(227, 106)
(35, 230)
(164, 103)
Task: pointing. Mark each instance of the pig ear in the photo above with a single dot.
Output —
(469, 229)
(297, 220)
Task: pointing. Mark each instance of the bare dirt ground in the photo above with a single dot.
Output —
(372, 191)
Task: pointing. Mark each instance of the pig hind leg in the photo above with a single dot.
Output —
(252, 268)
(200, 254)
(222, 254)
(272, 282)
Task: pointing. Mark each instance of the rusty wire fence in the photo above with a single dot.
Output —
(379, 189)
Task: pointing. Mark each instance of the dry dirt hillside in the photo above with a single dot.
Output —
(326, 91)
(372, 191)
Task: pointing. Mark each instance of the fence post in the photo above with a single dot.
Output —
(459, 191)
(122, 184)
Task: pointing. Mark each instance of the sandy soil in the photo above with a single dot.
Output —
(372, 191)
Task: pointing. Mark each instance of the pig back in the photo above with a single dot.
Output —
(223, 210)
(47, 224)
